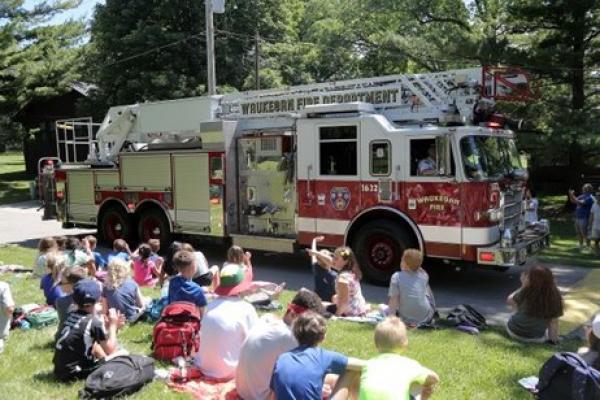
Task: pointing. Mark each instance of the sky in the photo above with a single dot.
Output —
(85, 10)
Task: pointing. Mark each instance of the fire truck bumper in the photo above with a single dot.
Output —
(528, 243)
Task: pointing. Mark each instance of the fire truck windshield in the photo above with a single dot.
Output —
(489, 157)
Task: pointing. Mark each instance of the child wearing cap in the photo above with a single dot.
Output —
(323, 274)
(591, 354)
(380, 378)
(64, 305)
(225, 325)
(181, 286)
(84, 341)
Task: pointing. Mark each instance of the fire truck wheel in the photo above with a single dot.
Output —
(153, 225)
(379, 247)
(114, 224)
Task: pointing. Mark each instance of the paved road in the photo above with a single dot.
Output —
(486, 290)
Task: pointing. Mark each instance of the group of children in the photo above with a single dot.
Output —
(268, 357)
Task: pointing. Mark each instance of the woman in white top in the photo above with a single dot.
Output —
(531, 207)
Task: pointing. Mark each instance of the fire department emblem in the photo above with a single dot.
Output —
(339, 197)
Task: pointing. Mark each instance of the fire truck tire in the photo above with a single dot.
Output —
(379, 247)
(114, 224)
(153, 225)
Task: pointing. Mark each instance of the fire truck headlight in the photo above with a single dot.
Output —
(494, 214)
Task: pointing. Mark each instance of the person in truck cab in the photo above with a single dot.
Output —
(428, 165)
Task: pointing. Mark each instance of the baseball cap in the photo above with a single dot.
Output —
(233, 280)
(86, 292)
(596, 326)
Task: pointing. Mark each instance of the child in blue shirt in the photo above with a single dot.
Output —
(98, 258)
(181, 287)
(323, 274)
(120, 250)
(300, 373)
(50, 283)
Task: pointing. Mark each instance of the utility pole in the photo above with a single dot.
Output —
(257, 60)
(210, 48)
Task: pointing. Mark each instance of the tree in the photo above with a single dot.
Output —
(560, 40)
(37, 59)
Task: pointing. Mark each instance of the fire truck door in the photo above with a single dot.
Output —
(337, 186)
(433, 195)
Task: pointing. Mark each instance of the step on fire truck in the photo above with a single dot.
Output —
(380, 164)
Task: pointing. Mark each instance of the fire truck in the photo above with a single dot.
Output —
(379, 164)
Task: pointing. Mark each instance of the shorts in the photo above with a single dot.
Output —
(581, 226)
(543, 339)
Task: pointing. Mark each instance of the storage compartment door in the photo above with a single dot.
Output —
(82, 207)
(191, 193)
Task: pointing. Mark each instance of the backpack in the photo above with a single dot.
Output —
(177, 332)
(567, 376)
(154, 310)
(117, 377)
(467, 315)
(42, 317)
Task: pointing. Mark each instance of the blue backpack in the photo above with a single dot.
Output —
(566, 376)
(156, 307)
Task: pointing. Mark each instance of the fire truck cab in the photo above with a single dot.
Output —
(381, 164)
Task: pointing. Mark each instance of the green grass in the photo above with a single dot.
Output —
(14, 182)
(470, 367)
(564, 247)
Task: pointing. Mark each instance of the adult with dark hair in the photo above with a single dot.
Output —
(538, 304)
(300, 373)
(591, 354)
(267, 340)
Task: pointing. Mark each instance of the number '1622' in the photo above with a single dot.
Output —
(369, 187)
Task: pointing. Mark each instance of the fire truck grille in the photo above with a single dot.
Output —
(512, 208)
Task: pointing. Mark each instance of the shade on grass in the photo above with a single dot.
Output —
(470, 367)
(14, 182)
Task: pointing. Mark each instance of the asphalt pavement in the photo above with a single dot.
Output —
(22, 224)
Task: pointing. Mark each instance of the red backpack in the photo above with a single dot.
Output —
(177, 332)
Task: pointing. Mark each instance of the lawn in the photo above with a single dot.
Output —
(14, 182)
(564, 247)
(470, 367)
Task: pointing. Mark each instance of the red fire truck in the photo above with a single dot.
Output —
(380, 164)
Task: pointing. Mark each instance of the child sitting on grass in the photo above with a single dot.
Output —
(323, 274)
(50, 282)
(7, 306)
(84, 342)
(90, 243)
(389, 375)
(46, 246)
(300, 373)
(156, 259)
(348, 298)
(181, 286)
(64, 305)
(121, 292)
(120, 250)
(409, 294)
(538, 304)
(145, 272)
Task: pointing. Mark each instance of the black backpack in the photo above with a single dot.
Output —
(467, 315)
(566, 376)
(118, 377)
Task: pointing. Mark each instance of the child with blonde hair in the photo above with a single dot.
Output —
(120, 291)
(50, 282)
(409, 294)
(380, 378)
